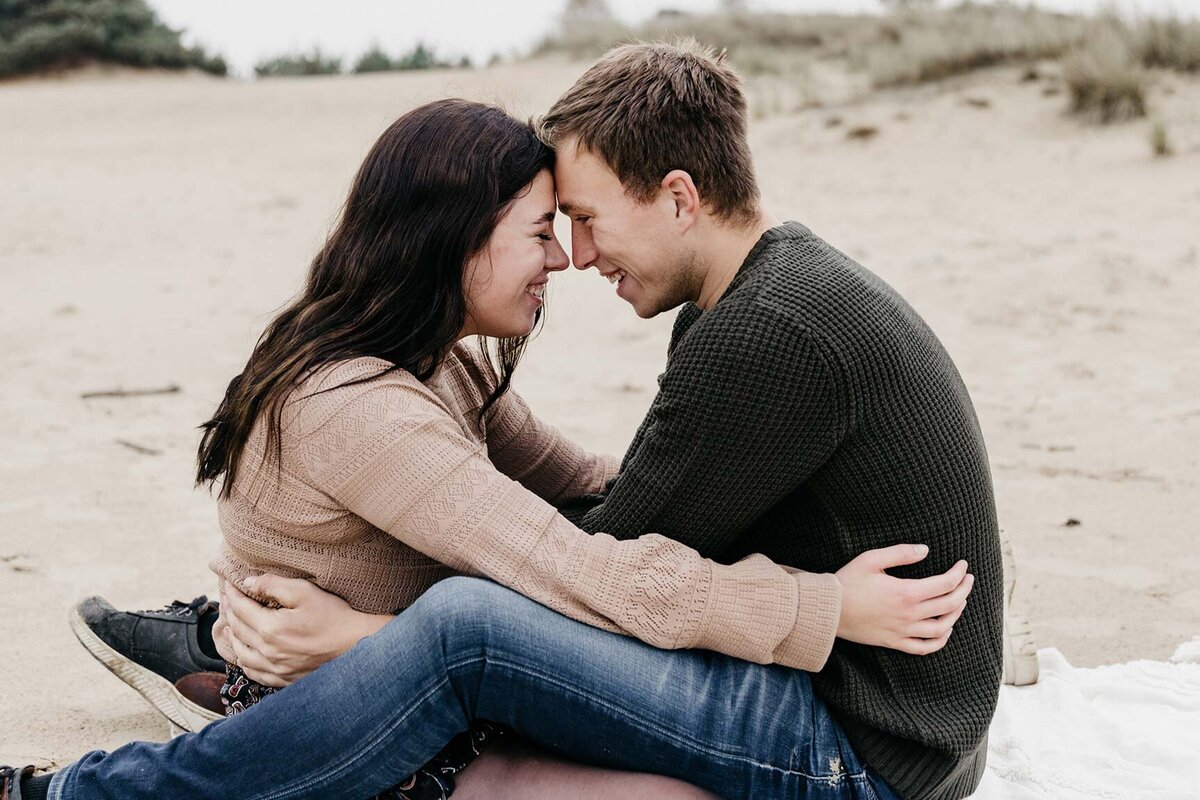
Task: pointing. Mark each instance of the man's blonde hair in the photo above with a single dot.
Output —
(649, 108)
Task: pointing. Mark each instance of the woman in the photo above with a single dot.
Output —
(367, 449)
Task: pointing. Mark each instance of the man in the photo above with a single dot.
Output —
(871, 438)
(806, 412)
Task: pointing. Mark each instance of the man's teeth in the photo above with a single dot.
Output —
(615, 277)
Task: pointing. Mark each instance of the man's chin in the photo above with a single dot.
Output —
(647, 310)
(647, 307)
(642, 309)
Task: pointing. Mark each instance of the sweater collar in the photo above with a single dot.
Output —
(782, 232)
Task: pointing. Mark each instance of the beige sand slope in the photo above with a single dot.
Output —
(148, 226)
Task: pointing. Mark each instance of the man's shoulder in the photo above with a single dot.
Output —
(740, 330)
(799, 271)
(802, 278)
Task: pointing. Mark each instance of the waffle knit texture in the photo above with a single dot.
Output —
(811, 415)
(387, 485)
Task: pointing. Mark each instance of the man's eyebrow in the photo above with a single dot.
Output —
(569, 209)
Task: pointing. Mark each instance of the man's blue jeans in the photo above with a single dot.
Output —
(470, 649)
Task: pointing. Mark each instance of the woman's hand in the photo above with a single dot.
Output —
(278, 646)
(911, 615)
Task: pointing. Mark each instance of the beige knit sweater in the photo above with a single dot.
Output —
(389, 485)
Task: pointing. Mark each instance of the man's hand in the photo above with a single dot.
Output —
(278, 646)
(914, 616)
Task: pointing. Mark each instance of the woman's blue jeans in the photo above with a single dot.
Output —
(470, 649)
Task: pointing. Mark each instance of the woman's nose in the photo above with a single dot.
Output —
(556, 258)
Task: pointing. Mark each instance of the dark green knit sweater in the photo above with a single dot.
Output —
(811, 415)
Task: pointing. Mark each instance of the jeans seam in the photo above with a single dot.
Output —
(687, 743)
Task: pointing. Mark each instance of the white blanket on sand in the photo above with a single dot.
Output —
(1126, 731)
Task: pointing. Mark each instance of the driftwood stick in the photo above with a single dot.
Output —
(138, 448)
(172, 389)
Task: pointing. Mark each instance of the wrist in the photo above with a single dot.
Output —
(841, 629)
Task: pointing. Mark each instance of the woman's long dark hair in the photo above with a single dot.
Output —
(389, 281)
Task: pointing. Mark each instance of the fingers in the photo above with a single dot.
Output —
(231, 612)
(936, 627)
(221, 638)
(286, 592)
(938, 585)
(950, 619)
(248, 611)
(923, 647)
(250, 659)
(895, 556)
(955, 599)
(258, 668)
(930, 635)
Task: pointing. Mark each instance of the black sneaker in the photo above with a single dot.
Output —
(150, 651)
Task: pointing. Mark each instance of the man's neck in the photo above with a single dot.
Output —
(725, 254)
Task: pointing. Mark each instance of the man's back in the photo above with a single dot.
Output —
(811, 415)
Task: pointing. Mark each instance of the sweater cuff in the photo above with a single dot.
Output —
(607, 468)
(818, 609)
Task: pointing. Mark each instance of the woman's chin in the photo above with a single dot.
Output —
(512, 331)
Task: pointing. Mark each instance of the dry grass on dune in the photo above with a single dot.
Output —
(1168, 44)
(1104, 81)
(931, 45)
(788, 57)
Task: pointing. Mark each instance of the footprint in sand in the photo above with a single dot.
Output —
(20, 562)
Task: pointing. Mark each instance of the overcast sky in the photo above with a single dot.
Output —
(245, 31)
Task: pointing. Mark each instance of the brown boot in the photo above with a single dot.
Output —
(197, 701)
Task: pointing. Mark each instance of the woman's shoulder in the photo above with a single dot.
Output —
(352, 371)
(465, 360)
(356, 384)
(472, 363)
(466, 374)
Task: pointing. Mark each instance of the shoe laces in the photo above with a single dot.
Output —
(182, 609)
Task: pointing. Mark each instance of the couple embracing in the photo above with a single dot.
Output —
(426, 585)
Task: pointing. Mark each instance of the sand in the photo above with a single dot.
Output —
(149, 225)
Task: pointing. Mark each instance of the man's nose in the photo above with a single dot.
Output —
(583, 249)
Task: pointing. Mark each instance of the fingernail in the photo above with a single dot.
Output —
(922, 549)
(249, 582)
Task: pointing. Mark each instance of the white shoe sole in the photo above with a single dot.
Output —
(1020, 648)
(1020, 653)
(157, 690)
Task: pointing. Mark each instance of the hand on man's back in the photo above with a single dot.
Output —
(914, 616)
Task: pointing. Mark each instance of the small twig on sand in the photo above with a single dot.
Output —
(172, 389)
(137, 448)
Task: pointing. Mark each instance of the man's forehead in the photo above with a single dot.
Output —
(582, 180)
(572, 187)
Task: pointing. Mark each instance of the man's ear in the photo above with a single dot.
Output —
(683, 193)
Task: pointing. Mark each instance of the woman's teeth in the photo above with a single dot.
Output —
(536, 291)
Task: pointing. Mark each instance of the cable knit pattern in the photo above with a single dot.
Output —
(387, 485)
